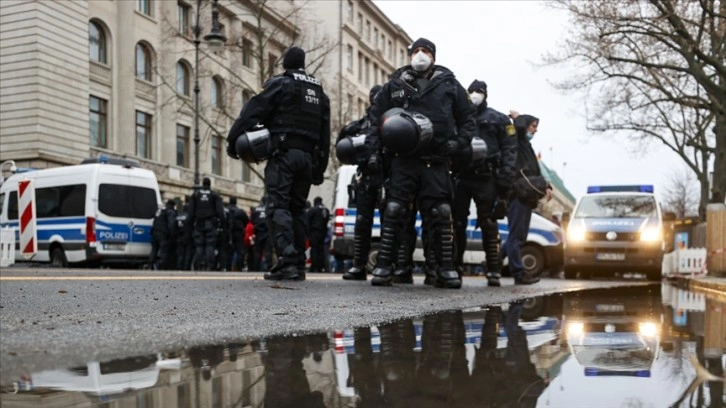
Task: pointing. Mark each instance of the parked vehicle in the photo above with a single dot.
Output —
(542, 251)
(97, 212)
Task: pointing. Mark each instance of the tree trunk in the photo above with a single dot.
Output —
(719, 165)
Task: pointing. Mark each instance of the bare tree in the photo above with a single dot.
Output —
(681, 194)
(656, 70)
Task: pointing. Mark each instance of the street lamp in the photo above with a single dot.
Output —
(215, 39)
(13, 168)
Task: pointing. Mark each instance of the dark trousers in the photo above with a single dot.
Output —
(223, 250)
(238, 249)
(161, 253)
(261, 249)
(317, 251)
(484, 193)
(205, 240)
(184, 254)
(366, 195)
(288, 176)
(518, 217)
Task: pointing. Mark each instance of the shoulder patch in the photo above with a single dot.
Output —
(510, 130)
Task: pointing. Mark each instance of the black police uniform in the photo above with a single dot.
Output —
(488, 185)
(207, 213)
(163, 231)
(296, 111)
(184, 249)
(223, 247)
(262, 245)
(238, 220)
(367, 188)
(423, 176)
(318, 216)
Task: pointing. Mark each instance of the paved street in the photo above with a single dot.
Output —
(52, 318)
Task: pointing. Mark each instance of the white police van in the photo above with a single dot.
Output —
(97, 212)
(542, 251)
(615, 229)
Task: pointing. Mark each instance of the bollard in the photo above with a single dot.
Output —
(716, 239)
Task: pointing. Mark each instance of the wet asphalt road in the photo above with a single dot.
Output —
(53, 319)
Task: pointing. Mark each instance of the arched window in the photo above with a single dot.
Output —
(217, 92)
(182, 78)
(143, 61)
(96, 42)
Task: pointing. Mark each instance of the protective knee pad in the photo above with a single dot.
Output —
(394, 211)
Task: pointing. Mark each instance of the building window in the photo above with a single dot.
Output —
(375, 38)
(143, 61)
(349, 58)
(182, 78)
(217, 96)
(184, 26)
(144, 6)
(382, 45)
(368, 30)
(143, 135)
(96, 43)
(359, 23)
(216, 155)
(360, 67)
(271, 62)
(389, 49)
(97, 118)
(375, 74)
(401, 57)
(368, 72)
(182, 145)
(247, 53)
(350, 10)
(246, 173)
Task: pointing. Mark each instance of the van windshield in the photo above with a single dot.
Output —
(116, 200)
(617, 206)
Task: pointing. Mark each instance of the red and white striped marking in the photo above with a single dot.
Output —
(26, 205)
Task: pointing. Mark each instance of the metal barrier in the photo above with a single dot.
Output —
(691, 261)
(7, 246)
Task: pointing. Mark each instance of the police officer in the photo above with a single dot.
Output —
(318, 216)
(184, 249)
(162, 233)
(223, 246)
(433, 91)
(207, 212)
(367, 188)
(238, 220)
(296, 111)
(261, 245)
(487, 182)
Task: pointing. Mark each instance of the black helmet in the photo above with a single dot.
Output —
(254, 146)
(404, 132)
(351, 149)
(473, 155)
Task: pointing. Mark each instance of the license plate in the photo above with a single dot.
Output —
(607, 256)
(114, 247)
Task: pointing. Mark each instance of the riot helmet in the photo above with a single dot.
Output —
(254, 146)
(405, 132)
(351, 149)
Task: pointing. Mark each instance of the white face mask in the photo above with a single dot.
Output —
(420, 62)
(476, 98)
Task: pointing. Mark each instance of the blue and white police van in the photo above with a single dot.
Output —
(615, 229)
(100, 211)
(542, 251)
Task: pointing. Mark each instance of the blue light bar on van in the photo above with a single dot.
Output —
(642, 188)
(596, 372)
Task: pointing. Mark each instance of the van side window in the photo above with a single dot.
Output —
(61, 201)
(13, 205)
(124, 201)
(2, 201)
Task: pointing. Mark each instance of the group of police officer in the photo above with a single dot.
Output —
(427, 142)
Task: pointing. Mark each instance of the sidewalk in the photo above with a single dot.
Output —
(709, 285)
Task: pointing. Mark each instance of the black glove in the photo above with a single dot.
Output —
(318, 176)
(374, 164)
(450, 148)
(232, 150)
(500, 209)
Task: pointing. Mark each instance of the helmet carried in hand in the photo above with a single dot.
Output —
(404, 132)
(254, 146)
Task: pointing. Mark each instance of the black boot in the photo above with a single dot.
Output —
(403, 275)
(382, 277)
(286, 272)
(355, 273)
(382, 274)
(525, 280)
(493, 279)
(446, 274)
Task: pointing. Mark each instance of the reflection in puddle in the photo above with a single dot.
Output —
(600, 348)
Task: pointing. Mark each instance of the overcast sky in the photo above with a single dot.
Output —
(498, 42)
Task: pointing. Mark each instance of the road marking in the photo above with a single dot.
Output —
(118, 278)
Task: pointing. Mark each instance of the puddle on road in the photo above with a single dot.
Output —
(644, 346)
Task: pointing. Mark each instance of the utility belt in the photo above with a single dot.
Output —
(207, 222)
(288, 141)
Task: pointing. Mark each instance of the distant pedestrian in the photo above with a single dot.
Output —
(262, 244)
(207, 213)
(238, 221)
(318, 216)
(163, 231)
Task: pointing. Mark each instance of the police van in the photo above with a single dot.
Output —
(542, 251)
(615, 229)
(100, 211)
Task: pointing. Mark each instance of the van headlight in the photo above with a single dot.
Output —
(651, 235)
(576, 233)
(648, 329)
(575, 328)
